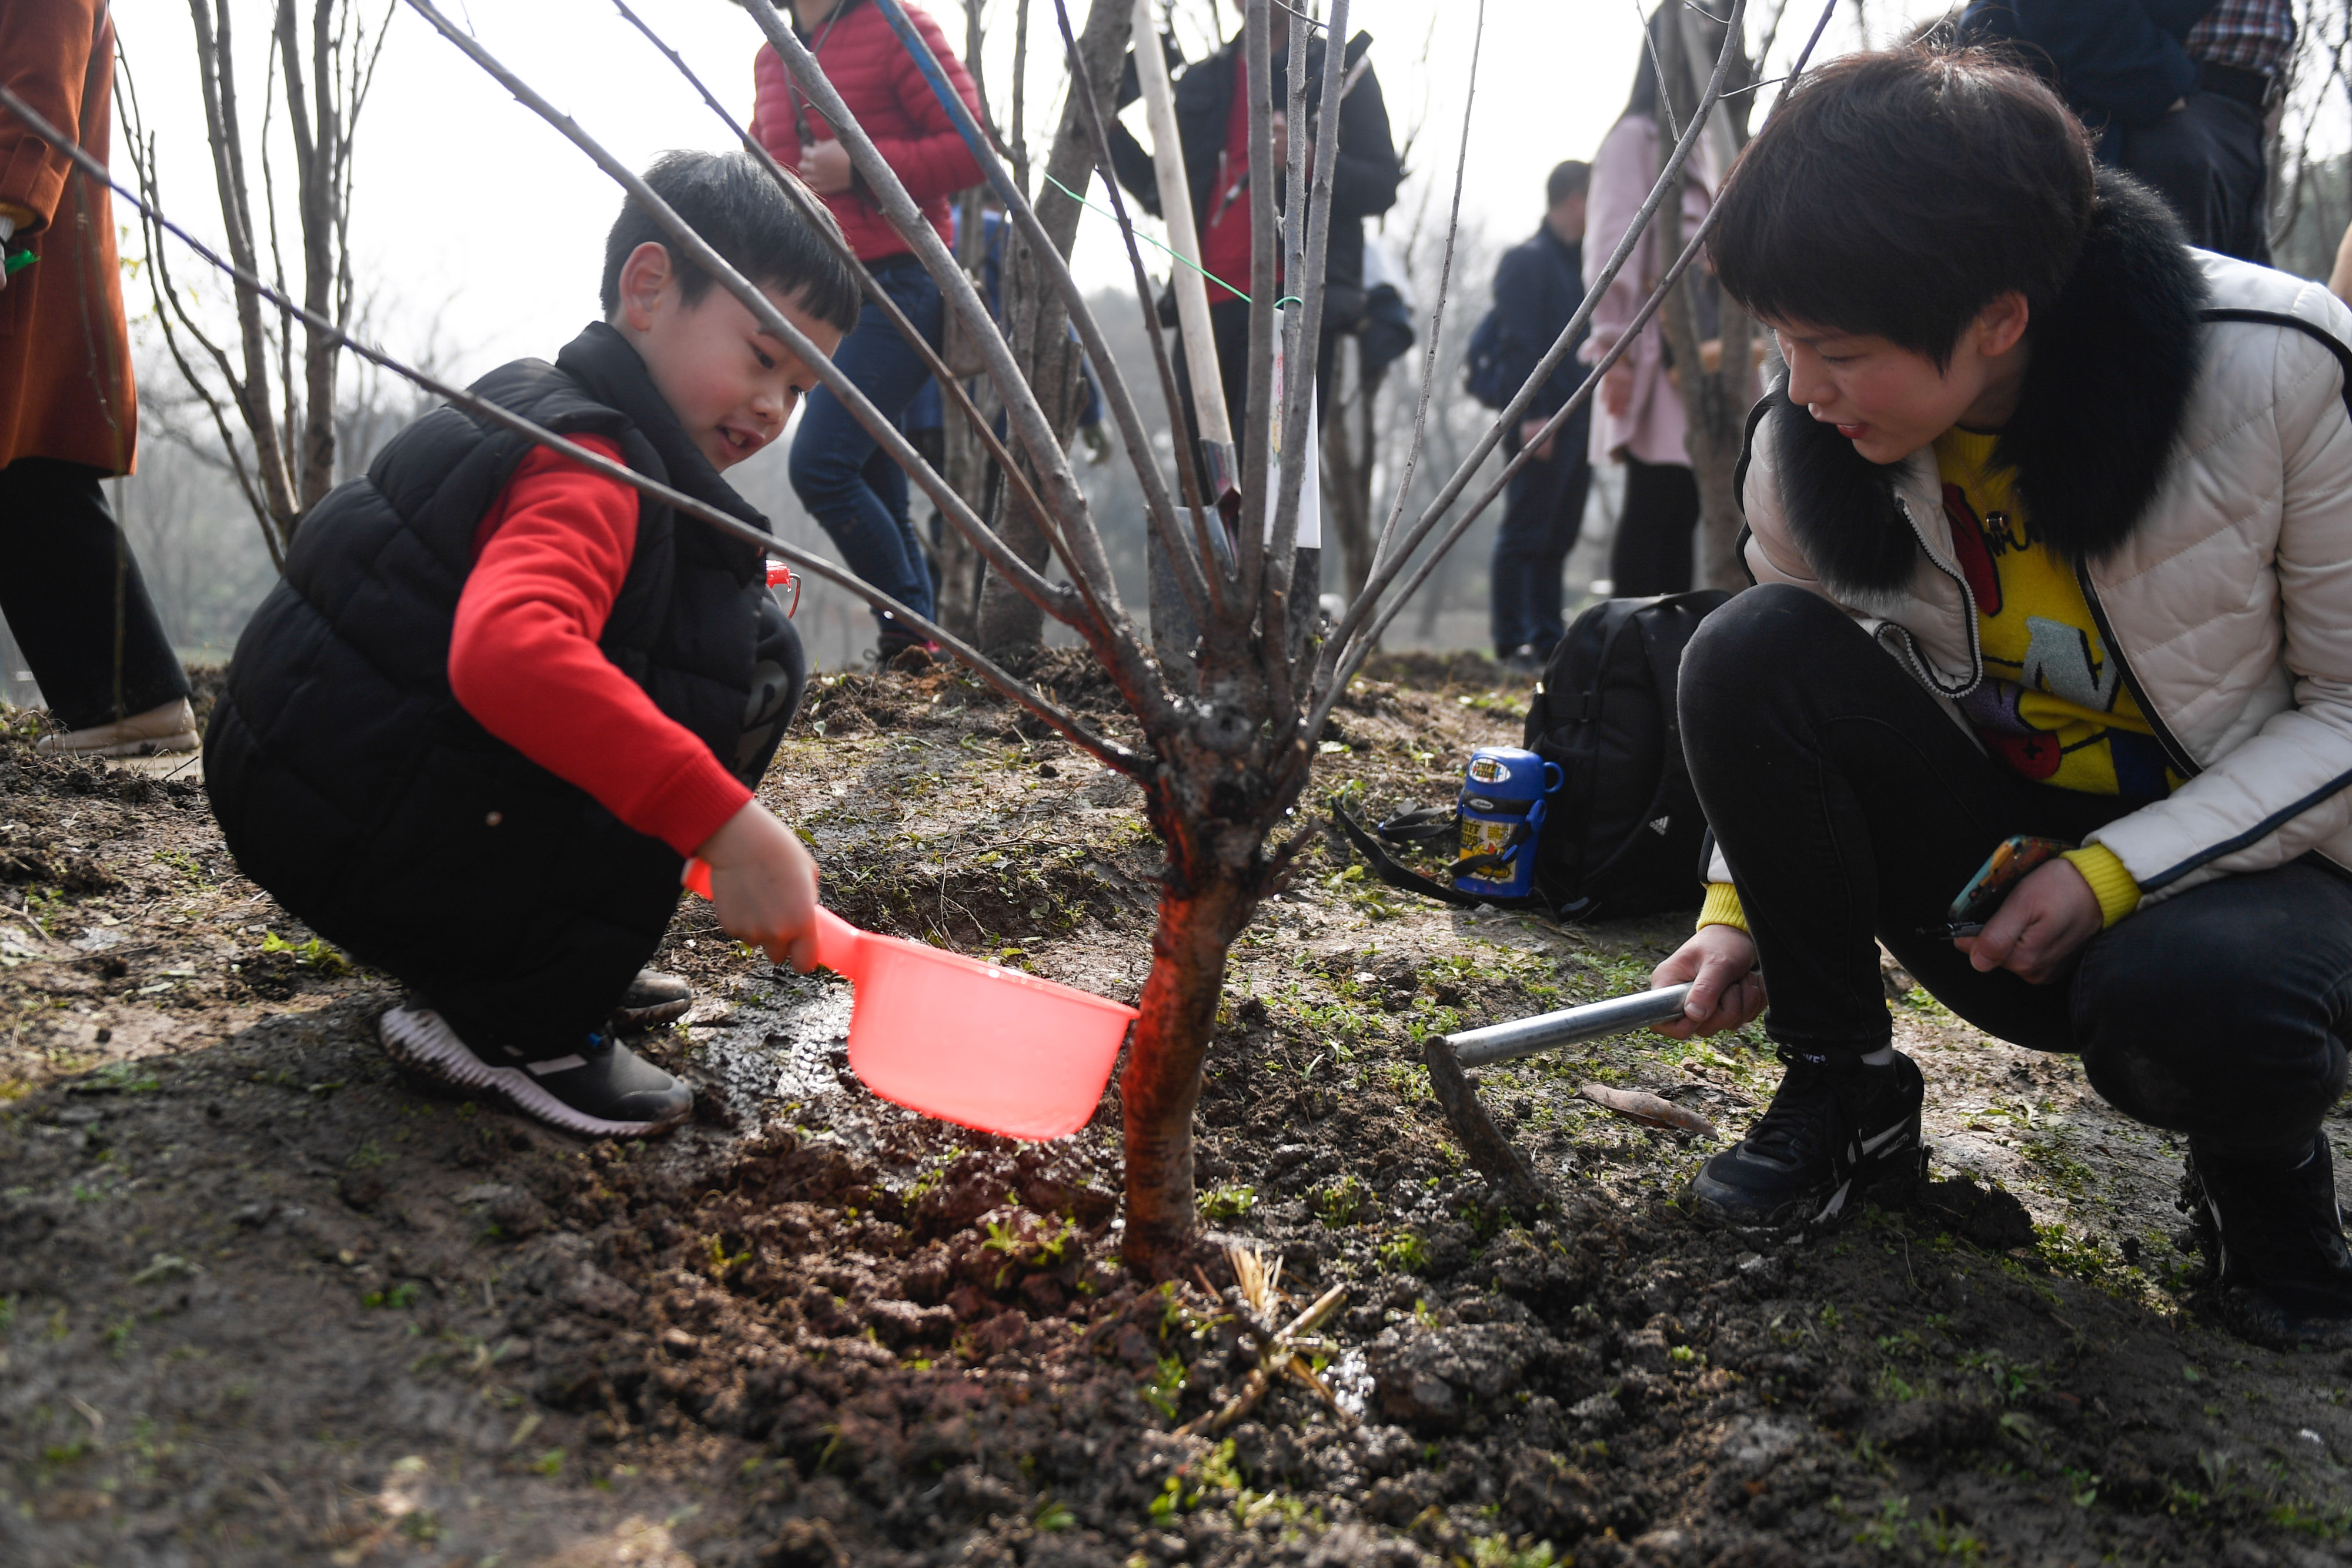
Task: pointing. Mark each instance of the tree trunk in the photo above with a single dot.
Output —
(1714, 401)
(1037, 324)
(1163, 1081)
(1348, 464)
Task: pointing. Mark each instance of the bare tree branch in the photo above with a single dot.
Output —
(1353, 657)
(1109, 752)
(1203, 592)
(1114, 642)
(1054, 601)
(820, 221)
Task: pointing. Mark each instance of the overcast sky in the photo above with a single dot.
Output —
(474, 221)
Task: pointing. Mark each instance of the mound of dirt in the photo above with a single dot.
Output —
(261, 1300)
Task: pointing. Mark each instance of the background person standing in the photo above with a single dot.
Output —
(1538, 284)
(2176, 92)
(1642, 422)
(68, 413)
(849, 485)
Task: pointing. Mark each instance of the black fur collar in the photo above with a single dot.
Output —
(2112, 370)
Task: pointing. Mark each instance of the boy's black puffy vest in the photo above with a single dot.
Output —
(349, 781)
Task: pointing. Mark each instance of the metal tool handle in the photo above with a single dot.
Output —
(1525, 1037)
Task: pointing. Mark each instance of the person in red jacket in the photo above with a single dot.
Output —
(498, 698)
(856, 494)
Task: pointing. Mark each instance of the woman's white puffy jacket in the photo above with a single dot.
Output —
(2227, 592)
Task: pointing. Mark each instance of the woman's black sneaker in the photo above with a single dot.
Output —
(653, 999)
(602, 1088)
(2273, 1237)
(1834, 1128)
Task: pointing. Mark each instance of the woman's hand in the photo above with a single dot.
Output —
(2040, 926)
(1617, 390)
(825, 166)
(1719, 962)
(763, 885)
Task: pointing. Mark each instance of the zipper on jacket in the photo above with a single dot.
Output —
(1969, 608)
(2164, 736)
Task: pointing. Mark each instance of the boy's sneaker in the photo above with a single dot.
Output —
(601, 1090)
(2274, 1240)
(1834, 1126)
(653, 999)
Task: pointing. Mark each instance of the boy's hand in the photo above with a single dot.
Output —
(1727, 990)
(2038, 927)
(763, 884)
(825, 166)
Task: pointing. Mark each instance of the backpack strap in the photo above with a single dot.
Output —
(1421, 825)
(1387, 869)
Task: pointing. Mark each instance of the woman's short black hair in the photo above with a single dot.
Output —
(1897, 194)
(737, 208)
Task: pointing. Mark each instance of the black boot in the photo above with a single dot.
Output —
(653, 999)
(1834, 1126)
(2273, 1237)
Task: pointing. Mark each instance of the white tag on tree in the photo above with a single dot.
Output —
(1310, 488)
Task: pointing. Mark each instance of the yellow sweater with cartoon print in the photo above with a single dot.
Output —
(2053, 705)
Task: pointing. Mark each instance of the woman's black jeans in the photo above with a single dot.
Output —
(1851, 809)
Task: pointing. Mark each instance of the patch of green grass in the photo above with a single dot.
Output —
(1165, 1386)
(1053, 1518)
(1344, 1203)
(400, 1298)
(315, 953)
(1406, 1252)
(122, 1078)
(548, 1463)
(1227, 1201)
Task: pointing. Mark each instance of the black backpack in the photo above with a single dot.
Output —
(1621, 836)
(1484, 375)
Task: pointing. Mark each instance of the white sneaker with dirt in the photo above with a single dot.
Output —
(602, 1089)
(172, 727)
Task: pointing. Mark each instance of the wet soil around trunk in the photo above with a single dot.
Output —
(262, 1302)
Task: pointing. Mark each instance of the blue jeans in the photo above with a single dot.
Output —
(856, 494)
(1542, 511)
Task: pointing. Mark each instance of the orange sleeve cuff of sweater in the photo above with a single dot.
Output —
(1722, 906)
(2118, 893)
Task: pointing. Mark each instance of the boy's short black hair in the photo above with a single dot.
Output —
(1565, 180)
(1897, 194)
(735, 206)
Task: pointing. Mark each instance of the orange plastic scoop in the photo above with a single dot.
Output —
(967, 1042)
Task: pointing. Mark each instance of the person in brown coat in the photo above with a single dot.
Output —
(69, 587)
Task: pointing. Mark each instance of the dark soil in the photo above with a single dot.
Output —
(262, 1302)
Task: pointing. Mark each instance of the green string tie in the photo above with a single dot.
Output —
(1150, 241)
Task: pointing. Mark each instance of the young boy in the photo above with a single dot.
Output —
(2052, 524)
(498, 699)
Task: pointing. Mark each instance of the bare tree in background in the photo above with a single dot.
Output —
(1715, 376)
(1035, 320)
(1223, 766)
(273, 408)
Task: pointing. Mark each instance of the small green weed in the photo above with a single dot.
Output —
(1227, 1201)
(1165, 1386)
(314, 954)
(1405, 1252)
(1344, 1203)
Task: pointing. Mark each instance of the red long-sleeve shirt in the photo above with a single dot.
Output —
(548, 560)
